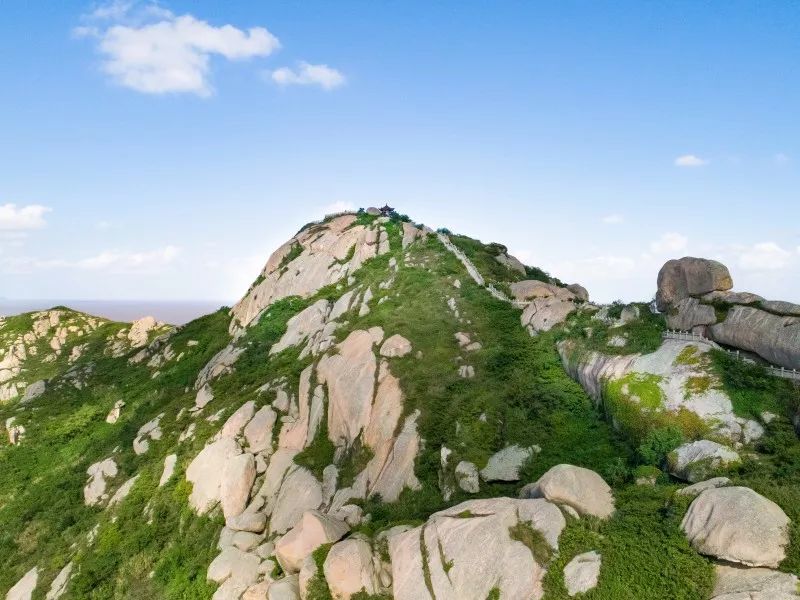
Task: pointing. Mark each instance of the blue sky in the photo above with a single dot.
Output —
(163, 151)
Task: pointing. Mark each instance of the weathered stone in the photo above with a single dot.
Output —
(287, 588)
(24, 588)
(582, 573)
(95, 490)
(700, 487)
(238, 475)
(149, 431)
(688, 313)
(59, 585)
(232, 563)
(236, 422)
(313, 530)
(737, 583)
(115, 412)
(738, 525)
(305, 325)
(349, 569)
(505, 465)
(582, 489)
(350, 377)
(123, 491)
(688, 276)
(696, 461)
(299, 493)
(258, 432)
(457, 543)
(532, 289)
(581, 293)
(732, 297)
(510, 262)
(169, 469)
(395, 346)
(467, 477)
(774, 338)
(206, 470)
(542, 314)
(34, 390)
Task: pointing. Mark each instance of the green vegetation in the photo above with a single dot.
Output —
(658, 443)
(534, 540)
(752, 390)
(317, 586)
(643, 335)
(645, 555)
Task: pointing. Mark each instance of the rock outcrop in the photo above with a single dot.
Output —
(582, 489)
(689, 276)
(737, 525)
(446, 557)
(696, 461)
(736, 583)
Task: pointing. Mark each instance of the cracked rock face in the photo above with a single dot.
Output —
(317, 256)
(446, 557)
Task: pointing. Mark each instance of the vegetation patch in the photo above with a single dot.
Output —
(534, 540)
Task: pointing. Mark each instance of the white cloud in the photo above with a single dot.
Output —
(765, 256)
(16, 218)
(112, 261)
(669, 243)
(337, 207)
(613, 219)
(306, 74)
(690, 160)
(156, 52)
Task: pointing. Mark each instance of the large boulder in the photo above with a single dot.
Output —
(349, 568)
(737, 525)
(696, 461)
(531, 289)
(773, 337)
(689, 276)
(312, 531)
(542, 314)
(205, 472)
(505, 465)
(237, 479)
(581, 293)
(582, 489)
(474, 547)
(737, 583)
(299, 492)
(582, 573)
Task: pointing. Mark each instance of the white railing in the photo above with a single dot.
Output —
(688, 336)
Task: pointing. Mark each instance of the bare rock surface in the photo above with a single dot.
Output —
(446, 558)
(737, 525)
(689, 276)
(582, 489)
(582, 573)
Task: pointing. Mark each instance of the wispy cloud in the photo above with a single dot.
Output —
(112, 261)
(613, 219)
(153, 51)
(781, 159)
(764, 256)
(337, 207)
(690, 160)
(669, 243)
(324, 76)
(18, 218)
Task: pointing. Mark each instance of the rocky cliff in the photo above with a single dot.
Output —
(385, 414)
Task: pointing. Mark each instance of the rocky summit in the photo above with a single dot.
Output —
(392, 411)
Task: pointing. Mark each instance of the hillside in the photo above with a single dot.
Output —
(394, 412)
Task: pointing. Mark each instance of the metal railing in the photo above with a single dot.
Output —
(688, 336)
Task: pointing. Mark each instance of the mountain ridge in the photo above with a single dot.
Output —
(347, 428)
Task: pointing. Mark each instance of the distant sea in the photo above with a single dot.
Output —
(173, 312)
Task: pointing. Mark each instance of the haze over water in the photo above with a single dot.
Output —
(173, 312)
